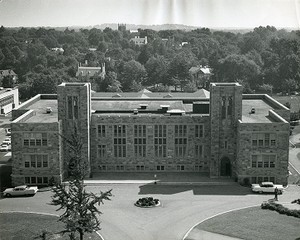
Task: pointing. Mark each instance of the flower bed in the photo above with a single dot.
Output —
(296, 201)
(147, 202)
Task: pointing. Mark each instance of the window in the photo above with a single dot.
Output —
(198, 168)
(263, 161)
(101, 131)
(40, 180)
(225, 144)
(102, 167)
(35, 139)
(160, 140)
(229, 107)
(223, 107)
(160, 168)
(119, 168)
(119, 141)
(263, 139)
(140, 137)
(199, 131)
(180, 167)
(101, 151)
(140, 168)
(36, 161)
(261, 179)
(180, 140)
(198, 151)
(73, 107)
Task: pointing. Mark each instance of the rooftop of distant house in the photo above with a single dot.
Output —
(7, 72)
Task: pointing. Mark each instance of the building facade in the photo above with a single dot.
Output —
(153, 132)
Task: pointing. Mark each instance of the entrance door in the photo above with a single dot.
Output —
(225, 167)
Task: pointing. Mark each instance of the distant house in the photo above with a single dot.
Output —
(8, 72)
(85, 72)
(59, 50)
(139, 41)
(9, 99)
(201, 75)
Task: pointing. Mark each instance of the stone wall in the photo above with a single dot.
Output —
(150, 161)
(246, 150)
(19, 172)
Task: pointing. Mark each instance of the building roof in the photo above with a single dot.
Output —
(204, 70)
(88, 71)
(7, 72)
(261, 114)
(201, 93)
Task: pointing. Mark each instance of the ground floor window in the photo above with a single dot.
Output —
(119, 168)
(140, 168)
(36, 180)
(102, 167)
(260, 179)
(180, 167)
(198, 168)
(160, 168)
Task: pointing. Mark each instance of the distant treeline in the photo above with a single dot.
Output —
(265, 59)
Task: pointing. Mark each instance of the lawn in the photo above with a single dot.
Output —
(293, 100)
(254, 223)
(30, 226)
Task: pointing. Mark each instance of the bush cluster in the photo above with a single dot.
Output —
(280, 209)
(296, 201)
(147, 202)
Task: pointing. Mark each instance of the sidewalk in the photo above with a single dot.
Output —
(161, 178)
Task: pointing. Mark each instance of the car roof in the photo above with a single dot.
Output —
(21, 186)
(266, 183)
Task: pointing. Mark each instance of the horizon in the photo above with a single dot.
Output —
(214, 14)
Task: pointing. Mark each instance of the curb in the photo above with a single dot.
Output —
(232, 210)
(160, 183)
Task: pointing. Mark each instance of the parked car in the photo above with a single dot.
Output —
(23, 190)
(267, 187)
(4, 147)
(7, 141)
(8, 131)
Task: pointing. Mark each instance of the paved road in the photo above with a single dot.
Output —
(182, 207)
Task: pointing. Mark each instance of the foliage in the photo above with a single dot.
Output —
(280, 209)
(264, 55)
(147, 202)
(80, 207)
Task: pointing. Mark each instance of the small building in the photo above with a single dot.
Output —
(8, 72)
(215, 134)
(84, 73)
(139, 41)
(59, 50)
(9, 99)
(201, 75)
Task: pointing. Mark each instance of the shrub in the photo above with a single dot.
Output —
(280, 209)
(147, 202)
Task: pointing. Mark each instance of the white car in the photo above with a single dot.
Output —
(267, 187)
(20, 191)
(4, 147)
(7, 141)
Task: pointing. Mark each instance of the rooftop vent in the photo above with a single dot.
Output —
(143, 106)
(135, 111)
(174, 112)
(48, 110)
(164, 108)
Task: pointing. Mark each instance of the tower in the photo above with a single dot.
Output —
(74, 112)
(225, 111)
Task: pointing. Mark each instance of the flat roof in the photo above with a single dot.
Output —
(39, 107)
(261, 114)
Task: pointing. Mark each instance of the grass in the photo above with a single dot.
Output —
(293, 100)
(30, 226)
(254, 223)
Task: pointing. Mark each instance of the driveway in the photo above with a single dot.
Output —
(182, 207)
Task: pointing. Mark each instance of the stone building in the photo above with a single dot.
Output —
(226, 134)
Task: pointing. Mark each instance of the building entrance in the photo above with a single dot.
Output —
(225, 167)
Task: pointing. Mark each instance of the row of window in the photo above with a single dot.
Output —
(263, 161)
(264, 139)
(262, 179)
(35, 139)
(36, 180)
(140, 131)
(36, 161)
(120, 151)
(142, 168)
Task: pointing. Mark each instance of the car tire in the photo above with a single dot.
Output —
(7, 195)
(260, 192)
(279, 192)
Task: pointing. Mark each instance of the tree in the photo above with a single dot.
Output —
(8, 82)
(133, 73)
(80, 207)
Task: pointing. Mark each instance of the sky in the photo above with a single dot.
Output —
(199, 13)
